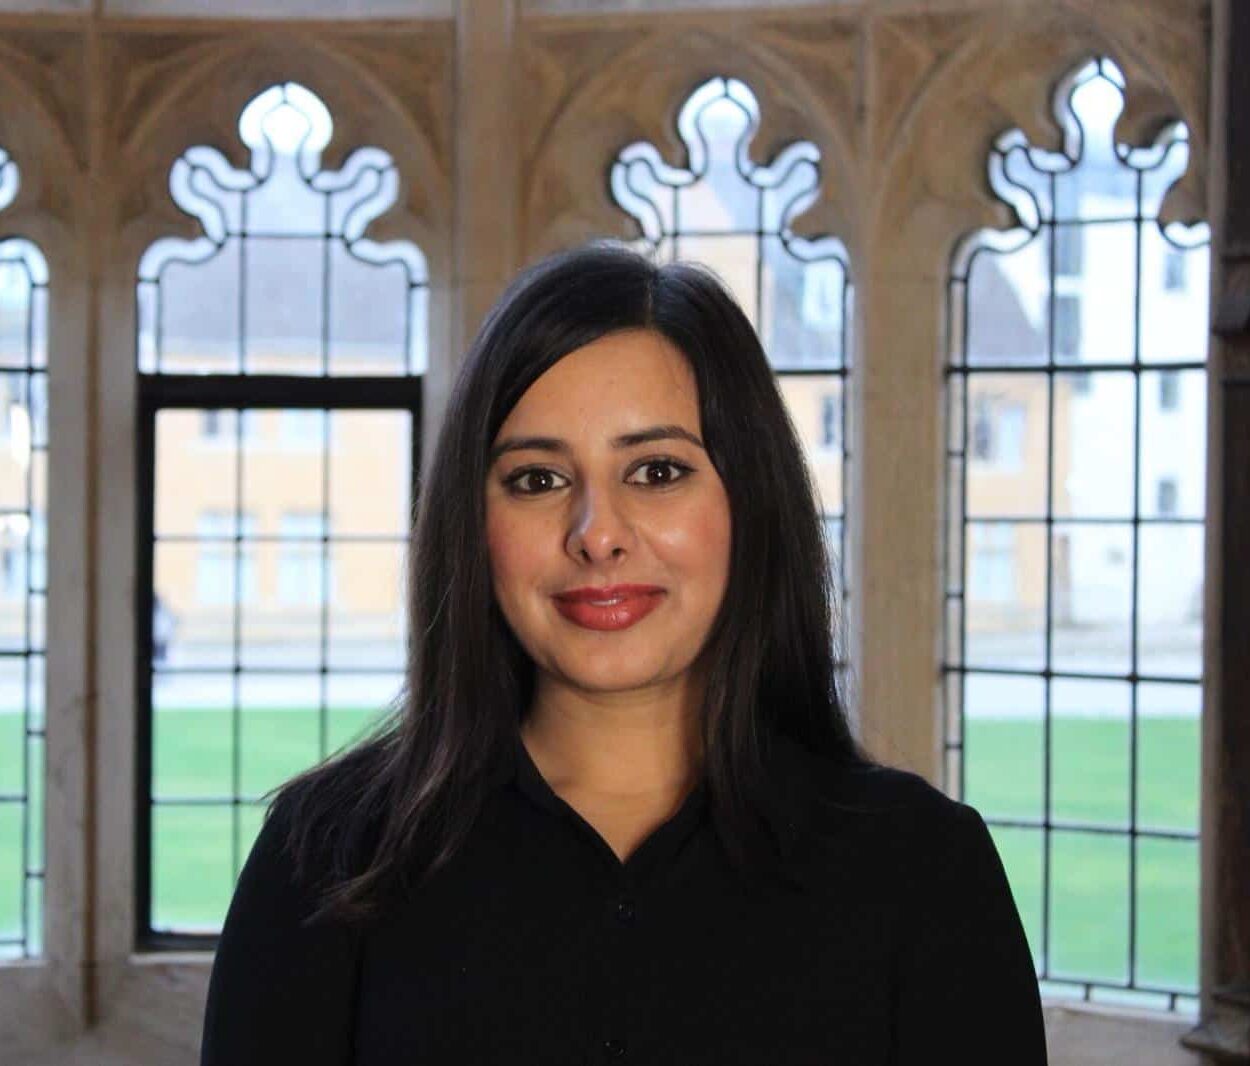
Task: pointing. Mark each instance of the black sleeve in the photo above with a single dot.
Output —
(278, 992)
(967, 988)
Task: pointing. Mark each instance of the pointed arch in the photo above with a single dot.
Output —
(1074, 545)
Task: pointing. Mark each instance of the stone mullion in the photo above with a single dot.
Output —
(897, 512)
(485, 185)
(45, 1000)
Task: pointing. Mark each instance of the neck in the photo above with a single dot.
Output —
(619, 744)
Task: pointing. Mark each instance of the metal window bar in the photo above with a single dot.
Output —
(159, 393)
(25, 295)
(286, 127)
(961, 371)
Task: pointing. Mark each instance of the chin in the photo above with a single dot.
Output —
(612, 677)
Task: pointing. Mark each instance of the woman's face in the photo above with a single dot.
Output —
(599, 479)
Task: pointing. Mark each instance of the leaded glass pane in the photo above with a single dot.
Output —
(260, 591)
(278, 521)
(1076, 481)
(23, 582)
(282, 280)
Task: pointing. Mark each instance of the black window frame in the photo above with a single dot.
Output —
(241, 392)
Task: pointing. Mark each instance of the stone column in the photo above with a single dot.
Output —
(486, 179)
(1224, 1030)
(897, 480)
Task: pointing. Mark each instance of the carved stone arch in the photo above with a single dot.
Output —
(391, 93)
(597, 90)
(1157, 54)
(43, 131)
(941, 117)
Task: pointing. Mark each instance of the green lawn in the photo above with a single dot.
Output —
(196, 850)
(1090, 871)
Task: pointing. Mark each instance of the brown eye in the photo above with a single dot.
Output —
(532, 481)
(661, 472)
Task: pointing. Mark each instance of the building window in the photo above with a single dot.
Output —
(831, 421)
(1067, 326)
(1168, 494)
(1069, 251)
(302, 563)
(222, 425)
(1069, 618)
(992, 577)
(211, 423)
(1174, 273)
(1169, 390)
(250, 644)
(23, 581)
(997, 433)
(222, 557)
(735, 215)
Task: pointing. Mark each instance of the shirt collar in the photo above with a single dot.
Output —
(788, 769)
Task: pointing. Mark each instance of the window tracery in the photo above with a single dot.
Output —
(278, 463)
(735, 215)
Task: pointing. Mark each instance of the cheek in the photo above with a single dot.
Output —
(697, 542)
(513, 551)
(499, 546)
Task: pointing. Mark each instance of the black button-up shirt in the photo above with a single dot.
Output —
(894, 940)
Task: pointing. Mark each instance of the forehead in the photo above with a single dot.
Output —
(616, 381)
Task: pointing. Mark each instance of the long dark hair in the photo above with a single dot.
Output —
(395, 807)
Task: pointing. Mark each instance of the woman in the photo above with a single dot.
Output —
(618, 814)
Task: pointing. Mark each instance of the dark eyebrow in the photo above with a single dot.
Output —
(625, 440)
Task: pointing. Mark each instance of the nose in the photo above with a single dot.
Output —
(599, 531)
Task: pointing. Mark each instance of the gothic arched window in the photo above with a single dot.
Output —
(1074, 536)
(734, 215)
(280, 357)
(23, 581)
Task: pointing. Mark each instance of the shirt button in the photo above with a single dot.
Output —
(625, 911)
(614, 1048)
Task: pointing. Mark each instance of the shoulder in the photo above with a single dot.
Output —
(323, 823)
(281, 987)
(868, 789)
(271, 866)
(881, 809)
(292, 853)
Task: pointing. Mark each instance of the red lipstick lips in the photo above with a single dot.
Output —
(608, 607)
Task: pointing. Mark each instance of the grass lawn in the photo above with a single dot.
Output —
(1090, 873)
(198, 850)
